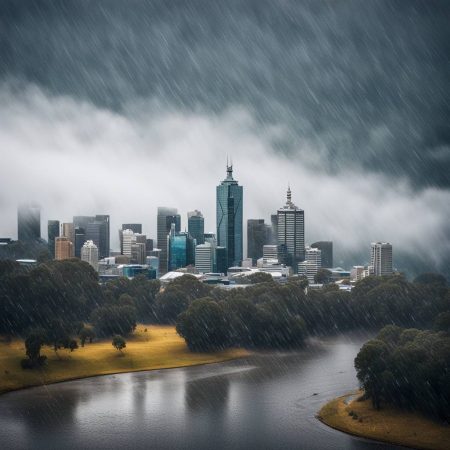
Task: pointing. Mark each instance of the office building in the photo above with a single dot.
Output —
(196, 226)
(273, 229)
(98, 231)
(82, 221)
(128, 239)
(138, 255)
(89, 253)
(258, 235)
(29, 222)
(357, 273)
(153, 262)
(291, 230)
(80, 239)
(311, 265)
(134, 227)
(148, 246)
(68, 231)
(63, 248)
(166, 217)
(326, 247)
(181, 249)
(53, 233)
(381, 258)
(204, 258)
(229, 206)
(221, 260)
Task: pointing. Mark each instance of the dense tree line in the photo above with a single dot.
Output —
(264, 313)
(408, 368)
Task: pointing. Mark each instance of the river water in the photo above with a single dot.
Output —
(267, 401)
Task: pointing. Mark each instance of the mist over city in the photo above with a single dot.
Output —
(120, 110)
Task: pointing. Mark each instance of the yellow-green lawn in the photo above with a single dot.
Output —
(388, 424)
(158, 348)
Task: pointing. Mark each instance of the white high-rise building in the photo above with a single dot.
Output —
(128, 239)
(270, 252)
(381, 258)
(89, 253)
(357, 273)
(204, 258)
(312, 263)
(291, 230)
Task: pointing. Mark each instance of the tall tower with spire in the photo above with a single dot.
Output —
(291, 230)
(229, 207)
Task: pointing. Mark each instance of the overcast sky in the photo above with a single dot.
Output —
(117, 108)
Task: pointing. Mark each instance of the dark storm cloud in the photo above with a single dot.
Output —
(366, 82)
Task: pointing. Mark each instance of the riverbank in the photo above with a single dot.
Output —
(159, 347)
(387, 425)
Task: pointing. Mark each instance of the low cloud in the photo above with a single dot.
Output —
(75, 158)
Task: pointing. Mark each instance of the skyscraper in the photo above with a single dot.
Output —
(229, 206)
(104, 244)
(291, 231)
(181, 249)
(196, 226)
(381, 258)
(166, 216)
(258, 235)
(134, 227)
(80, 239)
(68, 231)
(326, 247)
(89, 253)
(53, 233)
(29, 222)
(128, 239)
(63, 248)
(204, 258)
(312, 263)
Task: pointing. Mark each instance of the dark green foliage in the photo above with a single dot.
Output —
(114, 319)
(33, 344)
(204, 326)
(260, 277)
(118, 342)
(442, 322)
(323, 276)
(86, 333)
(434, 279)
(407, 368)
(177, 296)
(58, 290)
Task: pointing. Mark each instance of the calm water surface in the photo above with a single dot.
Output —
(267, 401)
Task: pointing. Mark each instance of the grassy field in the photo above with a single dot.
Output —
(158, 348)
(388, 424)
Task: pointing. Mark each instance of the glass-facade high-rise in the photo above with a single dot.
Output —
(181, 249)
(166, 216)
(53, 233)
(229, 206)
(196, 226)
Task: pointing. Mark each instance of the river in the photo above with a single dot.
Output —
(266, 401)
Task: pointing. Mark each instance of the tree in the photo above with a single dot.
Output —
(86, 333)
(119, 342)
(111, 319)
(435, 279)
(260, 277)
(322, 276)
(204, 326)
(370, 364)
(171, 303)
(57, 335)
(442, 322)
(73, 345)
(33, 344)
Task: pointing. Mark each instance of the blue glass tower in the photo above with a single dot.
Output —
(229, 204)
